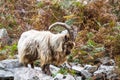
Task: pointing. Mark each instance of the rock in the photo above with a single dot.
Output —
(4, 38)
(107, 61)
(3, 33)
(104, 71)
(98, 72)
(112, 76)
(30, 74)
(77, 68)
(100, 76)
(54, 69)
(90, 68)
(85, 73)
(106, 68)
(59, 76)
(12, 70)
(64, 77)
(66, 65)
(6, 66)
(78, 78)
(7, 73)
(68, 77)
(10, 63)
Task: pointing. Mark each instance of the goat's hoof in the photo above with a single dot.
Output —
(49, 73)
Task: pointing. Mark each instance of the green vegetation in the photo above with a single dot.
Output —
(8, 51)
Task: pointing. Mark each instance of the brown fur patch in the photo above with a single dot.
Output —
(31, 53)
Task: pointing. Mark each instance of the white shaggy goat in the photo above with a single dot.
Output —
(48, 47)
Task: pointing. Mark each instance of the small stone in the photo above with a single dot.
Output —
(4, 38)
(54, 69)
(77, 68)
(66, 65)
(59, 76)
(64, 77)
(69, 77)
(86, 74)
(98, 72)
(99, 76)
(108, 61)
(3, 33)
(90, 68)
(106, 68)
(112, 76)
(78, 78)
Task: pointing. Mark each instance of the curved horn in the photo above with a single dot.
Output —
(67, 27)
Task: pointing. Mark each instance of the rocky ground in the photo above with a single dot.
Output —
(10, 69)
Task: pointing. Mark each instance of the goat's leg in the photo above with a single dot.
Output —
(43, 68)
(25, 64)
(46, 69)
(32, 65)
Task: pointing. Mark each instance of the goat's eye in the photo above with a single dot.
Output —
(66, 38)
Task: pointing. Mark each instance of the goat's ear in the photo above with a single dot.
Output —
(67, 38)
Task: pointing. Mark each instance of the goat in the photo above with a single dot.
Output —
(50, 48)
